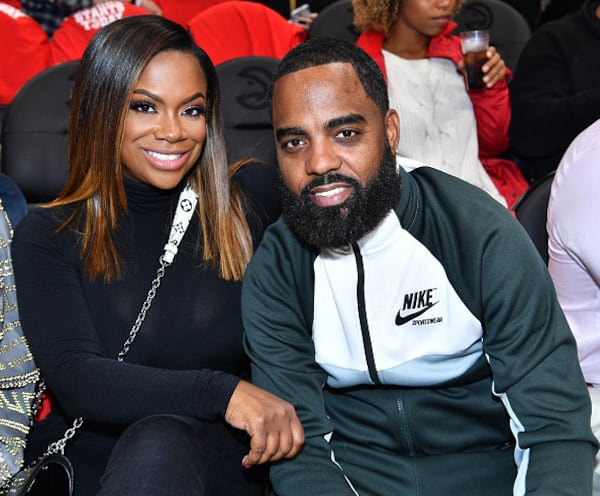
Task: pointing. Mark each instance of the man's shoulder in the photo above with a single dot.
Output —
(436, 185)
(278, 233)
(442, 199)
(280, 244)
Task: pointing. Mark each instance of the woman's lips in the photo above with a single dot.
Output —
(166, 160)
(441, 20)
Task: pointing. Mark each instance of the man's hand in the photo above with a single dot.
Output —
(274, 429)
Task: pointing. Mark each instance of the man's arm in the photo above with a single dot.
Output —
(535, 368)
(277, 310)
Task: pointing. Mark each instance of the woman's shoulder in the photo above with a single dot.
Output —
(43, 215)
(447, 46)
(41, 223)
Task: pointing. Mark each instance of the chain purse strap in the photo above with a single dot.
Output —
(185, 209)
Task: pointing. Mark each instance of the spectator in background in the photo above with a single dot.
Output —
(50, 13)
(13, 200)
(555, 9)
(555, 93)
(574, 255)
(461, 132)
(537, 12)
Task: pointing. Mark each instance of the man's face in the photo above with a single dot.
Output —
(335, 155)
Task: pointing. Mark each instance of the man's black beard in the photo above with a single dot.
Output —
(340, 225)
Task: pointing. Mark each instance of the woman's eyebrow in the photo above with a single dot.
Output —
(157, 98)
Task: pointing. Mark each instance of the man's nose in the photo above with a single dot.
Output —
(322, 158)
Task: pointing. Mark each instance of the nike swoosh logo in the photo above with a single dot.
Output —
(403, 320)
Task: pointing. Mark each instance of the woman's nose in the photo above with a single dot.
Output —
(170, 128)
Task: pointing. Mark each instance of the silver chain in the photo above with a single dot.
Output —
(145, 307)
(59, 446)
(185, 208)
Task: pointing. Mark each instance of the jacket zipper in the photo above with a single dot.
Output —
(362, 315)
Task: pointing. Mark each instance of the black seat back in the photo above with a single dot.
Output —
(244, 84)
(34, 134)
(531, 210)
(336, 21)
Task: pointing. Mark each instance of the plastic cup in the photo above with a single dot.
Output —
(474, 47)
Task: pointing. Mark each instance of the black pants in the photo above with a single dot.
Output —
(167, 454)
(158, 455)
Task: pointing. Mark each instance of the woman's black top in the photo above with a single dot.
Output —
(187, 358)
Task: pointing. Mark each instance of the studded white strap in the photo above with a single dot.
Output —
(188, 199)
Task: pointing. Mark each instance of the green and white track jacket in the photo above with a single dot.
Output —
(447, 307)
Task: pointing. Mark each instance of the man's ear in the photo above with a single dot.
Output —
(392, 129)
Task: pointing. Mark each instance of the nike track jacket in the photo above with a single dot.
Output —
(430, 358)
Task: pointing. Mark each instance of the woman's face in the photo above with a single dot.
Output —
(165, 126)
(426, 17)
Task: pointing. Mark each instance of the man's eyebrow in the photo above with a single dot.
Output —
(289, 131)
(331, 124)
(345, 120)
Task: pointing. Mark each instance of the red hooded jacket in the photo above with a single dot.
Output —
(491, 106)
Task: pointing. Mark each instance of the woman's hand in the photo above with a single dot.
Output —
(274, 429)
(494, 69)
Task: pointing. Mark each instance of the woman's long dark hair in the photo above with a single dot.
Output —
(105, 80)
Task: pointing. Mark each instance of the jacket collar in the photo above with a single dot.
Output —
(445, 45)
(408, 205)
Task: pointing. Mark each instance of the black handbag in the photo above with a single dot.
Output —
(51, 475)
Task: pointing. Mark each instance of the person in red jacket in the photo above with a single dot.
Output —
(462, 132)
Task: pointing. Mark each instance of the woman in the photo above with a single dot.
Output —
(169, 419)
(442, 124)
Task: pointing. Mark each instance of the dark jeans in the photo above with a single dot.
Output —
(168, 454)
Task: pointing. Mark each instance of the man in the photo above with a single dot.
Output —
(574, 256)
(406, 316)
